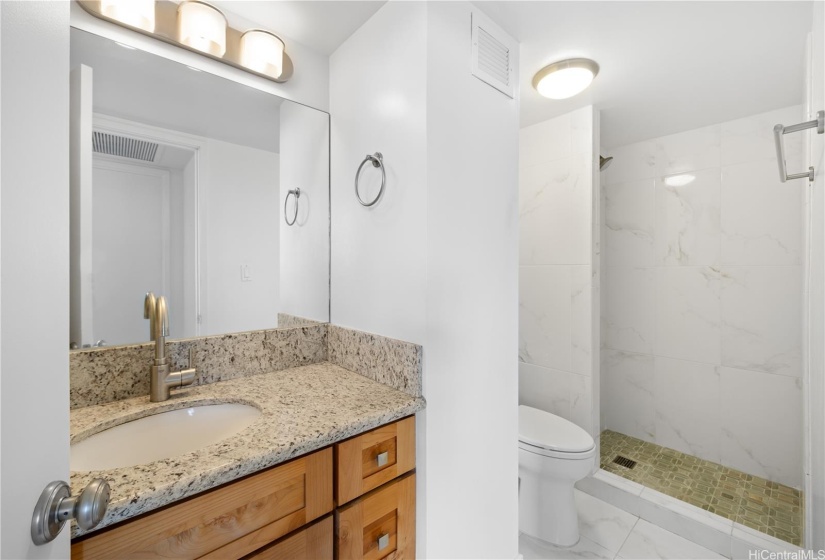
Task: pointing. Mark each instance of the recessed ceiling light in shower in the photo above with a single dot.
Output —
(565, 78)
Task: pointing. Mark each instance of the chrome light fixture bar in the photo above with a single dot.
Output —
(200, 28)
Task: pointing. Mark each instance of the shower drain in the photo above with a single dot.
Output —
(624, 461)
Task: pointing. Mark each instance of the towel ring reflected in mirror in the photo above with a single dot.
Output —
(297, 193)
(377, 160)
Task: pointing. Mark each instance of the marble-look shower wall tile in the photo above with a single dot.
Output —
(688, 323)
(762, 424)
(761, 220)
(545, 309)
(544, 142)
(104, 375)
(751, 138)
(389, 361)
(630, 211)
(632, 162)
(554, 212)
(582, 287)
(688, 151)
(545, 388)
(688, 220)
(629, 393)
(687, 407)
(762, 318)
(630, 312)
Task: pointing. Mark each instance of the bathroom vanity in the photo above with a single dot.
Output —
(327, 470)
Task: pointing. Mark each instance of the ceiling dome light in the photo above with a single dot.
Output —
(202, 27)
(262, 52)
(137, 13)
(565, 78)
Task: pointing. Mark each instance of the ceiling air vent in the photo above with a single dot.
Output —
(123, 146)
(494, 55)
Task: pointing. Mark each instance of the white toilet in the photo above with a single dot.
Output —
(553, 454)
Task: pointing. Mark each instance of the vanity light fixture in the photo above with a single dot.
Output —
(262, 52)
(565, 78)
(202, 27)
(137, 13)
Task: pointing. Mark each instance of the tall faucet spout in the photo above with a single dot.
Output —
(149, 304)
(162, 380)
(161, 330)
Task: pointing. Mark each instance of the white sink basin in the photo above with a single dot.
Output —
(161, 436)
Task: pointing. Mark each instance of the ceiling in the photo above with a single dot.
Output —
(666, 67)
(320, 25)
(136, 85)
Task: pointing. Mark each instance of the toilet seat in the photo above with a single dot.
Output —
(549, 435)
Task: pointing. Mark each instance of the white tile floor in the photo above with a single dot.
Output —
(609, 532)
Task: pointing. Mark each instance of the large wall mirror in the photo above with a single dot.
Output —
(184, 184)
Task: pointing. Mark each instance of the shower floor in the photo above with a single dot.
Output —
(760, 504)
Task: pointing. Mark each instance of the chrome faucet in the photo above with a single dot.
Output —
(161, 380)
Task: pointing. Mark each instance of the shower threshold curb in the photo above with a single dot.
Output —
(723, 536)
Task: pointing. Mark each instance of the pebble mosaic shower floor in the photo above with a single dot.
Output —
(763, 505)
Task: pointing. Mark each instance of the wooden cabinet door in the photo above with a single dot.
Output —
(229, 522)
(365, 462)
(312, 543)
(380, 524)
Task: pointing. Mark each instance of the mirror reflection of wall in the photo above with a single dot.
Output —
(178, 186)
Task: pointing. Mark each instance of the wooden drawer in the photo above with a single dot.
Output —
(313, 543)
(380, 524)
(228, 522)
(358, 469)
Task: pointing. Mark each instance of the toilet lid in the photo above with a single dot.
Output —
(542, 429)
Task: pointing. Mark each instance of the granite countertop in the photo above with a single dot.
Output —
(302, 409)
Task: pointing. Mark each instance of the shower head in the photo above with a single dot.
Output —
(604, 162)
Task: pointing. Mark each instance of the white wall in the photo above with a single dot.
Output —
(435, 261)
(703, 304)
(309, 84)
(304, 248)
(559, 265)
(379, 253)
(471, 343)
(132, 216)
(34, 245)
(240, 202)
(814, 304)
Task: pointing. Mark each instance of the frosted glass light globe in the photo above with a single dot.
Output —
(566, 78)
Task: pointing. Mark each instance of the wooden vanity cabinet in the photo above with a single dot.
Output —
(380, 523)
(227, 522)
(280, 513)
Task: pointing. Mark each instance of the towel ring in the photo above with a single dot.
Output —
(297, 193)
(377, 161)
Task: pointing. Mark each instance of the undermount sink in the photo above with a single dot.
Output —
(161, 436)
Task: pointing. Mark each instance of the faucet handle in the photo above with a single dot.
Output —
(161, 318)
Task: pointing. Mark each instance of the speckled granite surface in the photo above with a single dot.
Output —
(285, 320)
(102, 375)
(303, 409)
(393, 362)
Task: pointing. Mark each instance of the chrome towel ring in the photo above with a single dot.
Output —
(377, 160)
(297, 193)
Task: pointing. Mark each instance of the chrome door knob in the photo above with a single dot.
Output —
(56, 506)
